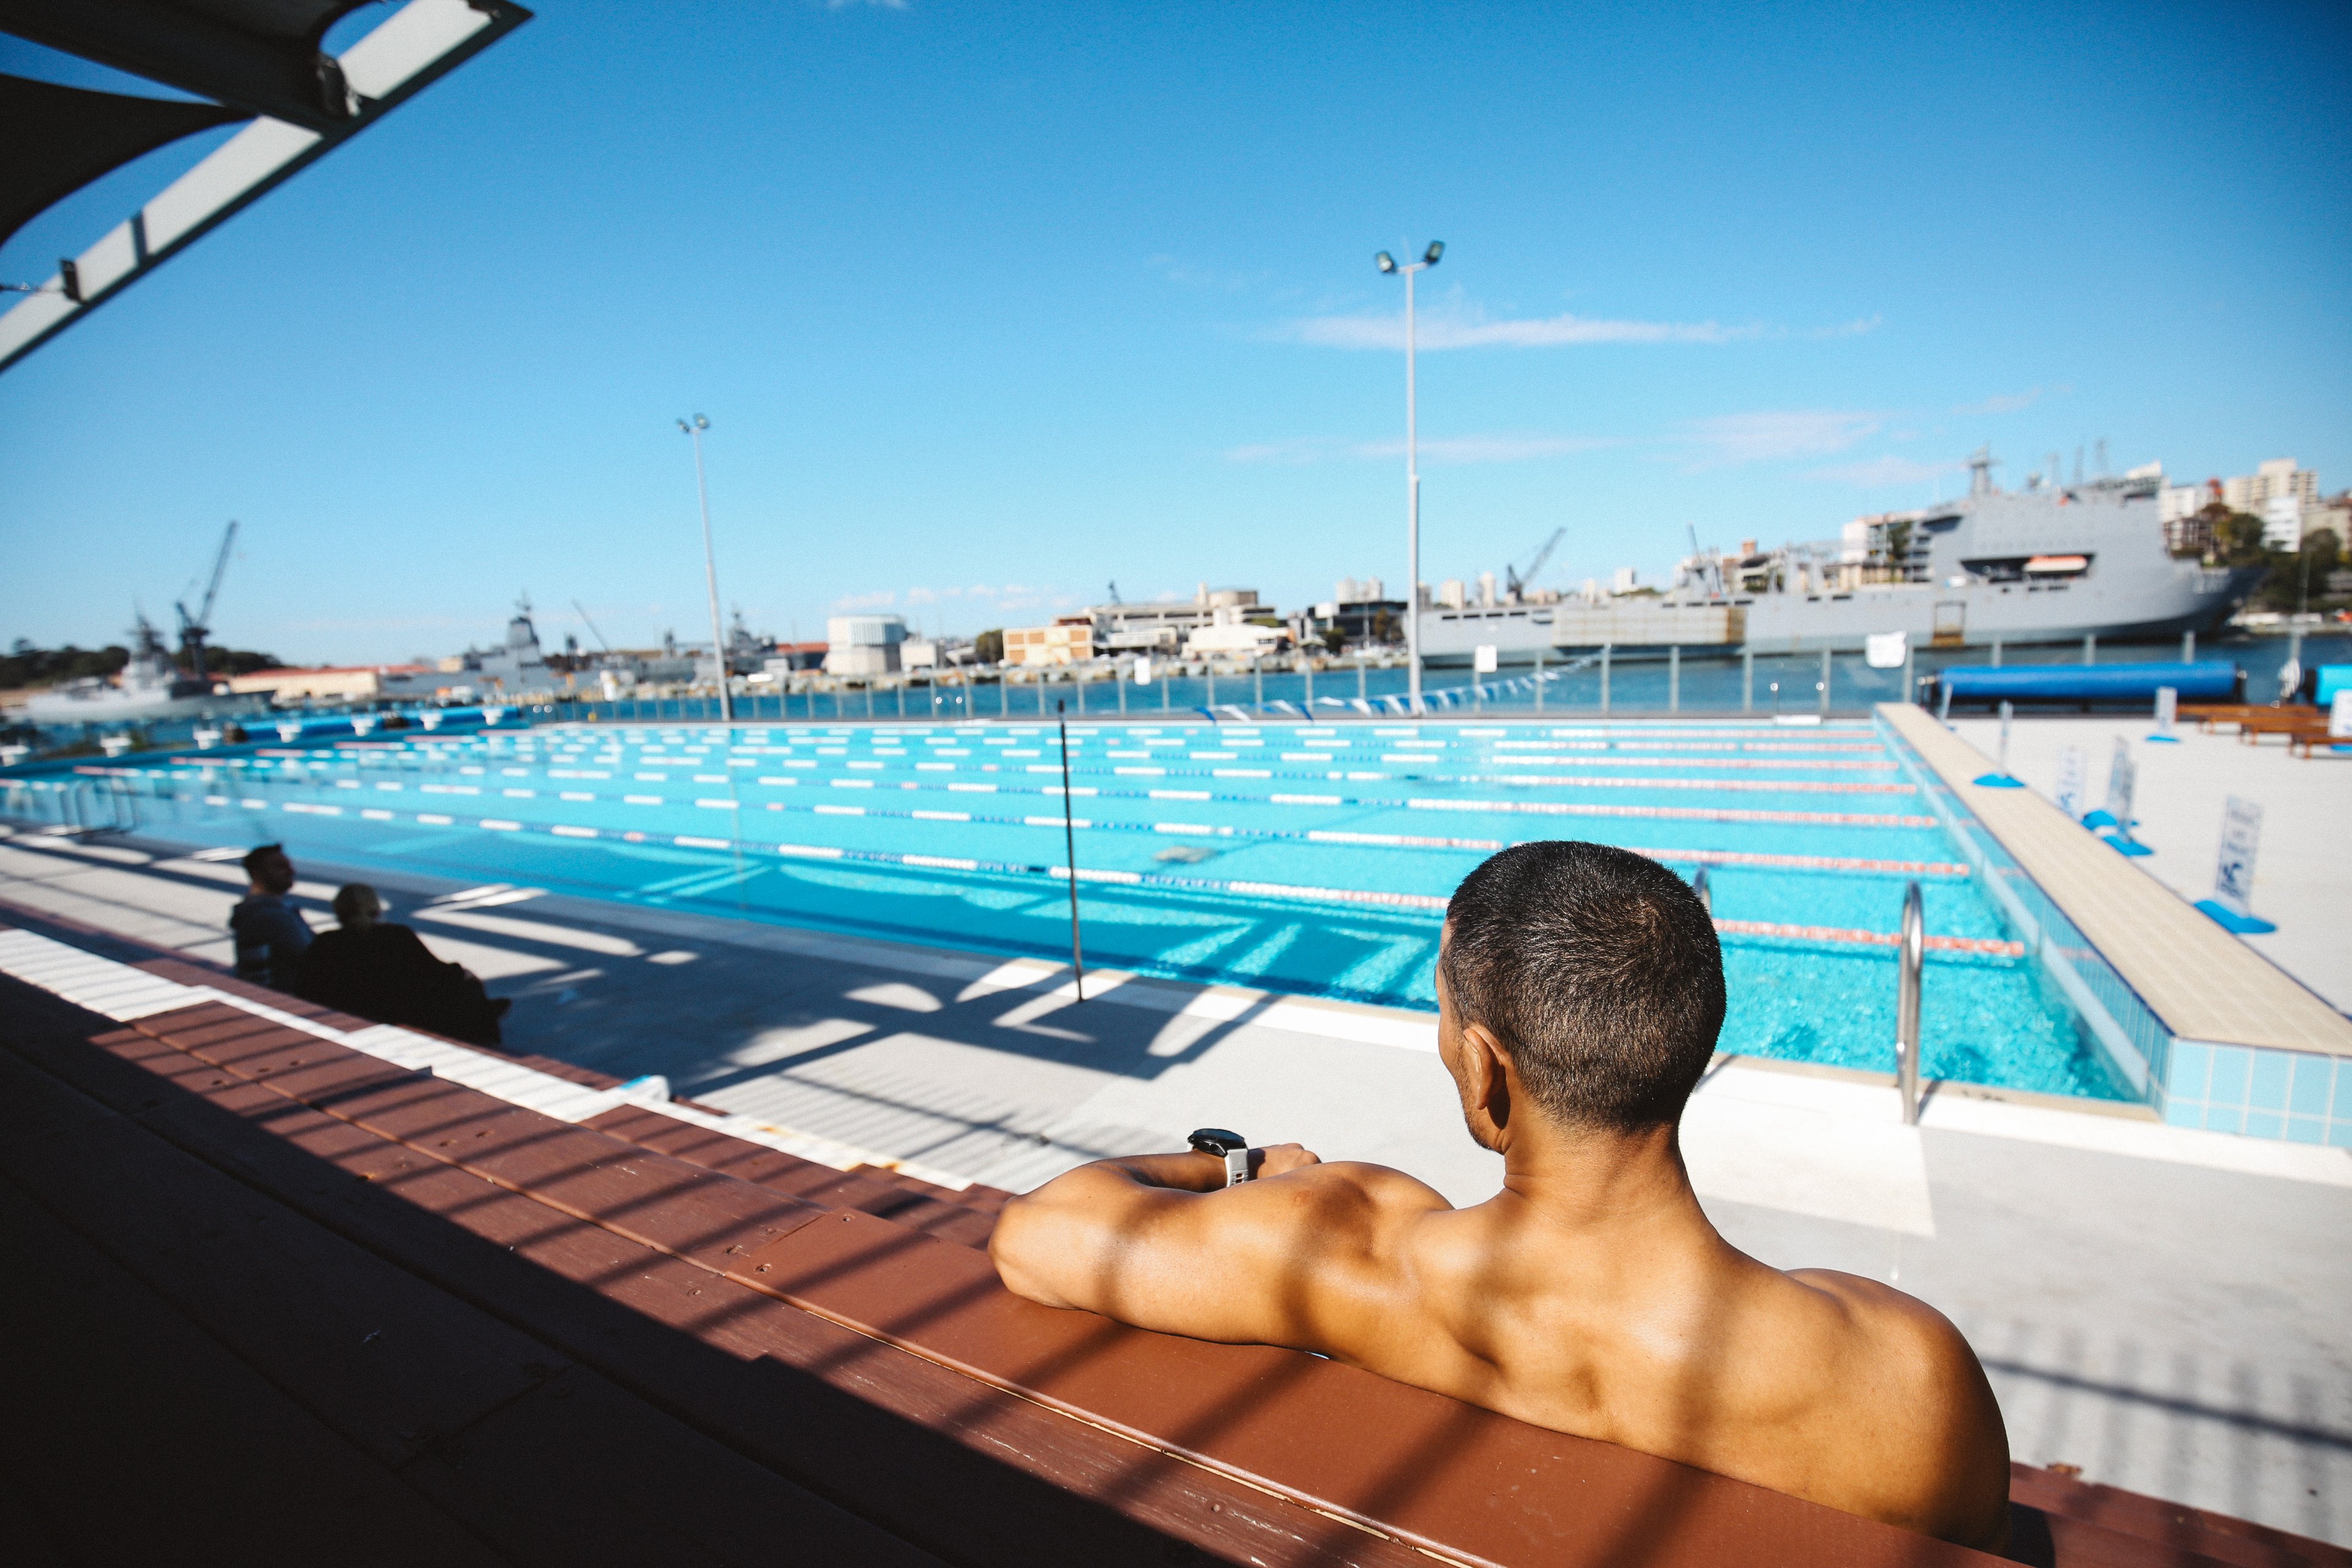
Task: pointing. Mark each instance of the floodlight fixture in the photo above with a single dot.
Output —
(1436, 248)
(1385, 262)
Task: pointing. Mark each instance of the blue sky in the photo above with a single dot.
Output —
(990, 306)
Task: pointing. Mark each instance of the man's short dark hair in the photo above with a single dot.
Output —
(1597, 970)
(261, 855)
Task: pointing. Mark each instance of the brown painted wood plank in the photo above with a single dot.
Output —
(2152, 1521)
(386, 1360)
(1002, 1480)
(645, 1490)
(137, 1439)
(1443, 1475)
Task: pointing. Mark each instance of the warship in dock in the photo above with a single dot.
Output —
(2049, 563)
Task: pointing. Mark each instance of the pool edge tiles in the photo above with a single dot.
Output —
(2239, 1044)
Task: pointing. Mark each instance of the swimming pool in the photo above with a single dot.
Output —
(1299, 857)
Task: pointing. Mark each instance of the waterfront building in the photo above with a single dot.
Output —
(863, 644)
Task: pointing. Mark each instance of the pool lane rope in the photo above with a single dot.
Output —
(1429, 903)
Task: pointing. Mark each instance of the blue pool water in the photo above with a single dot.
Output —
(1300, 858)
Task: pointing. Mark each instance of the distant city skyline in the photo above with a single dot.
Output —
(989, 310)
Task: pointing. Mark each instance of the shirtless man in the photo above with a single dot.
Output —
(1579, 992)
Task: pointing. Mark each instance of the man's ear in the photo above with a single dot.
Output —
(1485, 1081)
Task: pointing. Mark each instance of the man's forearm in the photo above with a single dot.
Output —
(1191, 1171)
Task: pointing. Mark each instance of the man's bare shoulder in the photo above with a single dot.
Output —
(1922, 1440)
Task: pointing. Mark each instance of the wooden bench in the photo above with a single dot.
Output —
(862, 1389)
(2291, 722)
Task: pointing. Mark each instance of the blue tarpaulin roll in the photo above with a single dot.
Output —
(2207, 680)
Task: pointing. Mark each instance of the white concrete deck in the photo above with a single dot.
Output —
(2302, 880)
(2160, 1306)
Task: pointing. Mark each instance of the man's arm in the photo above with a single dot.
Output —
(1307, 1255)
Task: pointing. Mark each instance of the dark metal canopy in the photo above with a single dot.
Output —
(254, 60)
(59, 138)
(259, 56)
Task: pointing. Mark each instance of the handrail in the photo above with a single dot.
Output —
(1911, 955)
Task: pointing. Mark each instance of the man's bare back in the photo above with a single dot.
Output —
(1591, 1295)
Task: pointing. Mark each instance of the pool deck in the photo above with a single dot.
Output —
(2155, 1304)
(2205, 984)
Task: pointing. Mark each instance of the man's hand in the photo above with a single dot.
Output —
(1278, 1159)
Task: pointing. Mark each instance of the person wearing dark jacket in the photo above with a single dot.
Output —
(270, 932)
(372, 969)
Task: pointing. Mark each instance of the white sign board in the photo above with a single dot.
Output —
(2073, 782)
(1143, 671)
(2339, 717)
(2123, 778)
(2233, 872)
(1886, 650)
(2168, 709)
(1484, 660)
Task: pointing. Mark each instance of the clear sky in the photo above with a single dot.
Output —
(991, 305)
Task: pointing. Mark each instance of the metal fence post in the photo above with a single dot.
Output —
(1825, 683)
(1674, 678)
(1912, 956)
(1604, 678)
(1539, 679)
(1747, 680)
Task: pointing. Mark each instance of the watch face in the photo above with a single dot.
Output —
(1217, 1140)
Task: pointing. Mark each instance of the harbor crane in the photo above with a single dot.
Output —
(1517, 582)
(590, 625)
(195, 629)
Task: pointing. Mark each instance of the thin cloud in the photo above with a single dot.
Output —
(1772, 434)
(2009, 402)
(1889, 470)
(1445, 451)
(1470, 329)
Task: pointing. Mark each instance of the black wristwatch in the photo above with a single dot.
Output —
(1230, 1147)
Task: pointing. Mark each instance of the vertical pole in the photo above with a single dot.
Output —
(710, 572)
(1996, 653)
(1079, 680)
(1911, 956)
(1604, 679)
(1310, 686)
(1210, 672)
(1257, 683)
(1910, 679)
(1674, 678)
(2188, 648)
(1070, 861)
(1164, 698)
(1412, 509)
(1825, 683)
(1359, 678)
(1122, 691)
(1747, 680)
(2090, 647)
(1003, 695)
(1539, 679)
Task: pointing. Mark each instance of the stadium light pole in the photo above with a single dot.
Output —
(710, 566)
(1387, 263)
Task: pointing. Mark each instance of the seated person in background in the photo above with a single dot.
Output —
(373, 970)
(270, 932)
(1580, 990)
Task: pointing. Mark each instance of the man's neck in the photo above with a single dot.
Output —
(1584, 1179)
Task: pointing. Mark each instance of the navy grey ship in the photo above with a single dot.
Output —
(2051, 562)
(150, 686)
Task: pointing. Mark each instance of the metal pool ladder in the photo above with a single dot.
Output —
(1910, 953)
